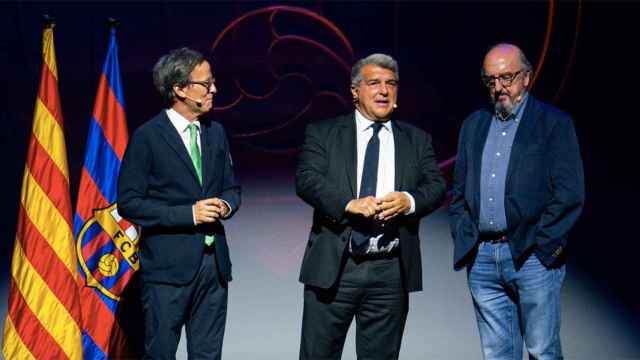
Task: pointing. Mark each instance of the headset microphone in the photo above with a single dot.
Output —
(197, 101)
(395, 106)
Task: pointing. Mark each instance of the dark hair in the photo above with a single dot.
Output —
(173, 69)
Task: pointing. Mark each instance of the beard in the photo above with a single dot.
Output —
(503, 108)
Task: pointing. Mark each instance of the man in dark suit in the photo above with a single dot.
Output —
(177, 182)
(370, 180)
(518, 189)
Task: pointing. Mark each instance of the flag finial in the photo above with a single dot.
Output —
(112, 23)
(48, 22)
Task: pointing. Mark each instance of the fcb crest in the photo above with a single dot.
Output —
(107, 251)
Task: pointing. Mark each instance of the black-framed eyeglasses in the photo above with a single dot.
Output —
(207, 84)
(505, 79)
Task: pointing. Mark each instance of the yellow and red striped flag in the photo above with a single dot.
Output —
(44, 307)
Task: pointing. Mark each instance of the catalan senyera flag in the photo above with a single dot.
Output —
(44, 316)
(106, 243)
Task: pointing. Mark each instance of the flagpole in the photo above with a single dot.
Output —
(48, 22)
(112, 23)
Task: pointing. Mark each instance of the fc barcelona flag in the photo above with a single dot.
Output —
(106, 244)
(44, 317)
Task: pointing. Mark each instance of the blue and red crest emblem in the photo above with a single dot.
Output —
(107, 251)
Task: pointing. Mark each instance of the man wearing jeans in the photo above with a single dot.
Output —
(518, 189)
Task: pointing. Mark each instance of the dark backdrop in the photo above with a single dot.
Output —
(271, 84)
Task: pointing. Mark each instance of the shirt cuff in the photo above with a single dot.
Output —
(412, 209)
(229, 207)
(193, 212)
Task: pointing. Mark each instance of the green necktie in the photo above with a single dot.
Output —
(195, 157)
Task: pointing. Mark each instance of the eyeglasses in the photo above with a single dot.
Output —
(505, 79)
(207, 84)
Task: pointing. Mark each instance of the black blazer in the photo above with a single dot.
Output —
(157, 187)
(544, 191)
(326, 180)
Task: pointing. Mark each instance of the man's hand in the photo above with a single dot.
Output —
(209, 210)
(394, 204)
(367, 206)
(224, 208)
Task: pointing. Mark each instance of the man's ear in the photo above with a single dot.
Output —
(354, 93)
(527, 79)
(179, 92)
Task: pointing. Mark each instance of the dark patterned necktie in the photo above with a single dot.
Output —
(360, 237)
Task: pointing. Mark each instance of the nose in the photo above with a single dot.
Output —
(498, 86)
(213, 89)
(384, 90)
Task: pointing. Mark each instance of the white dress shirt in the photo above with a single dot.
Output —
(182, 126)
(386, 168)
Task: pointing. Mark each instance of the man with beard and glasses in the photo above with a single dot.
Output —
(518, 189)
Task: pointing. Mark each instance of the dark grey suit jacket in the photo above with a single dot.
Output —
(326, 180)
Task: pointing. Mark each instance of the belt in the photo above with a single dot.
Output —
(375, 256)
(494, 237)
(210, 249)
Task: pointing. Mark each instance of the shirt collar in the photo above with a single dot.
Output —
(180, 122)
(363, 124)
(516, 112)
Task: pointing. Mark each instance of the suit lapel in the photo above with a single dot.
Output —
(205, 145)
(401, 147)
(348, 147)
(522, 139)
(170, 135)
(478, 147)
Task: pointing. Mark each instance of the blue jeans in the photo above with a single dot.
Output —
(511, 305)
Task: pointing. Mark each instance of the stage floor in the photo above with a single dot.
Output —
(267, 238)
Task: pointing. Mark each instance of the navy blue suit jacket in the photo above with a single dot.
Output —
(157, 188)
(544, 192)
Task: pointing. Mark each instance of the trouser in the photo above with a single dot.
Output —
(369, 290)
(515, 305)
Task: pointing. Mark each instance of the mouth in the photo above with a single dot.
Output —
(382, 103)
(502, 97)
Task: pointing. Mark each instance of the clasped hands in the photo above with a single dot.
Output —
(209, 210)
(391, 205)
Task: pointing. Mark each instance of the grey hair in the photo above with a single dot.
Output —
(173, 69)
(382, 60)
(526, 65)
